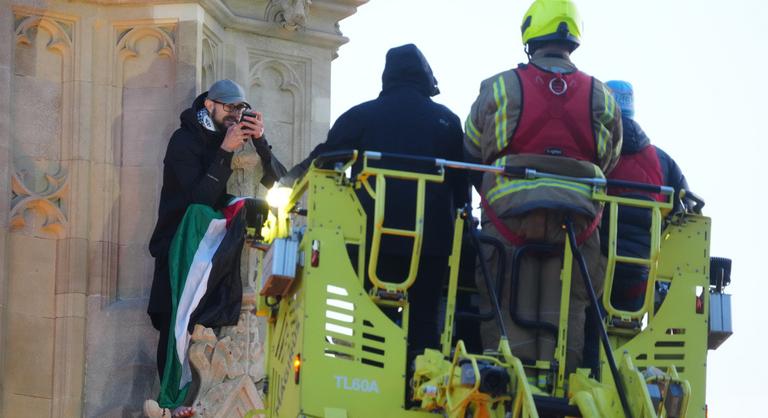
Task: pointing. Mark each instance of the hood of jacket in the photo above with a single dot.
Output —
(407, 66)
(191, 121)
(634, 138)
(189, 116)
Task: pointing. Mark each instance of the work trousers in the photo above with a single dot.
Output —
(424, 297)
(539, 285)
(160, 313)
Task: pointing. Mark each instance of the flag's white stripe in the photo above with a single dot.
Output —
(194, 289)
(237, 199)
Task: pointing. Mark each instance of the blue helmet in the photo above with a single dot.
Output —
(624, 94)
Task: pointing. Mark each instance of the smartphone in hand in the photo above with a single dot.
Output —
(247, 113)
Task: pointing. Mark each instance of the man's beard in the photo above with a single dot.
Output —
(226, 121)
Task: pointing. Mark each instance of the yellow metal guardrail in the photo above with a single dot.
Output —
(379, 230)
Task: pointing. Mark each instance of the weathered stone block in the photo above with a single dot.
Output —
(5, 175)
(104, 202)
(152, 98)
(35, 136)
(145, 137)
(139, 194)
(29, 359)
(121, 361)
(32, 275)
(72, 266)
(134, 273)
(70, 305)
(75, 205)
(103, 261)
(69, 360)
(16, 405)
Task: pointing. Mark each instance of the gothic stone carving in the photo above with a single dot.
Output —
(291, 14)
(280, 79)
(127, 38)
(61, 31)
(228, 368)
(211, 58)
(39, 213)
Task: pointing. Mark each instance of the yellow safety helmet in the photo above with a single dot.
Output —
(551, 20)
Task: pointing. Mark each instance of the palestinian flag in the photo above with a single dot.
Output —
(204, 267)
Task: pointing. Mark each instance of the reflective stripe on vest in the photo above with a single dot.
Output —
(505, 186)
(556, 115)
(641, 167)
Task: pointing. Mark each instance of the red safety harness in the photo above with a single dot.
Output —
(555, 115)
(556, 120)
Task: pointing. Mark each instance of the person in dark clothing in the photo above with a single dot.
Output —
(196, 168)
(405, 120)
(643, 163)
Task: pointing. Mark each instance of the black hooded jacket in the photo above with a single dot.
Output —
(404, 120)
(635, 140)
(634, 224)
(195, 170)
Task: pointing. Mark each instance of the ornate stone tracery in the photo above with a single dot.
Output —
(290, 80)
(61, 31)
(211, 53)
(282, 79)
(128, 38)
(36, 212)
(39, 213)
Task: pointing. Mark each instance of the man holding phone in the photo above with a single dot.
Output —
(196, 168)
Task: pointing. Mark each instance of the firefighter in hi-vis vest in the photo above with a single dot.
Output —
(549, 116)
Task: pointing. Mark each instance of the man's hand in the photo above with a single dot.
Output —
(237, 135)
(234, 139)
(253, 125)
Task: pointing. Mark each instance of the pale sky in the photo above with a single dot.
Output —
(699, 94)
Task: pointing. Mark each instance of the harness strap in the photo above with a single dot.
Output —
(518, 240)
(514, 239)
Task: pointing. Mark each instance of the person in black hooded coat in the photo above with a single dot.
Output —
(405, 120)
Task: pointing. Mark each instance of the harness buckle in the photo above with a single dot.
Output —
(558, 86)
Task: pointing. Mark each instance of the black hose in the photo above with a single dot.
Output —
(601, 326)
(491, 291)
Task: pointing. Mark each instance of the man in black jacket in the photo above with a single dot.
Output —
(405, 120)
(196, 168)
(640, 162)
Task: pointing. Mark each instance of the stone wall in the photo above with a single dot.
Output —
(91, 93)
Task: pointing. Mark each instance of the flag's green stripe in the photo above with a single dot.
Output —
(183, 248)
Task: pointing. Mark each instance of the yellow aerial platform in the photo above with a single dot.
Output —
(334, 353)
